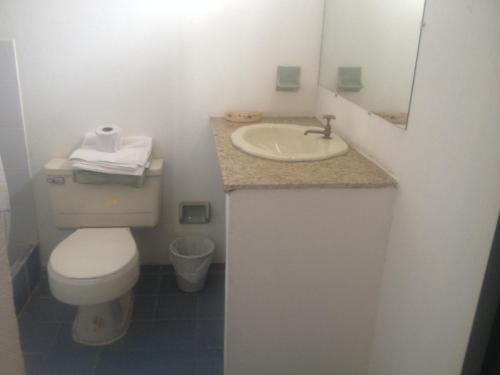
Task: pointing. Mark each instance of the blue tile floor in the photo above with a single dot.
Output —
(171, 332)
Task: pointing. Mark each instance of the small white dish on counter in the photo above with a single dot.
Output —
(286, 142)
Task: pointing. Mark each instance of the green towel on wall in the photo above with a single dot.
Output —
(89, 177)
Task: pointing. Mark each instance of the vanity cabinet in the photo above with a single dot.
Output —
(303, 273)
(305, 251)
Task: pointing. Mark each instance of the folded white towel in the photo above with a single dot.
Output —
(131, 159)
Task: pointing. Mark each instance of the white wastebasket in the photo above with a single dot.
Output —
(191, 256)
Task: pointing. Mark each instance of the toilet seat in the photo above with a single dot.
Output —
(93, 265)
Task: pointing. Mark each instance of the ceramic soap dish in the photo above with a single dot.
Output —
(243, 116)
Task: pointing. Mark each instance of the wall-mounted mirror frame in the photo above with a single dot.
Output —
(369, 54)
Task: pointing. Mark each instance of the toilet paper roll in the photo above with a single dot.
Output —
(108, 138)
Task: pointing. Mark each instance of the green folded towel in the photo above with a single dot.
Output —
(89, 177)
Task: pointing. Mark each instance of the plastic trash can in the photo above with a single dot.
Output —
(191, 256)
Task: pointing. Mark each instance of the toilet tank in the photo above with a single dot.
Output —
(76, 205)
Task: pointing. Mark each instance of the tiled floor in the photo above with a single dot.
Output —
(171, 332)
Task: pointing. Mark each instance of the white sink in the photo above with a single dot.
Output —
(286, 142)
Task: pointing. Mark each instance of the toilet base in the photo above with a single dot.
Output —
(103, 323)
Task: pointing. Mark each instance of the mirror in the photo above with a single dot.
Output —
(369, 52)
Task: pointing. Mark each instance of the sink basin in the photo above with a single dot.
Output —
(286, 142)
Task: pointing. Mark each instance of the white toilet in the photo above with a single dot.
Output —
(96, 267)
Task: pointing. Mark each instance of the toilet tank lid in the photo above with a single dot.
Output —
(63, 166)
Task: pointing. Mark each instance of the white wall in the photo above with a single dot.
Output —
(448, 164)
(382, 38)
(14, 155)
(157, 68)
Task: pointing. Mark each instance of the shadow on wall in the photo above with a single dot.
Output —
(4, 202)
(23, 231)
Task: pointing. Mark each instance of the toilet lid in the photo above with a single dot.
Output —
(93, 252)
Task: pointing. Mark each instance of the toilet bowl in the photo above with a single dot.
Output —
(96, 269)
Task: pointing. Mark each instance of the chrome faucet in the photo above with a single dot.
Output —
(327, 131)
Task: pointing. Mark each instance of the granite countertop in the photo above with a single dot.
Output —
(242, 171)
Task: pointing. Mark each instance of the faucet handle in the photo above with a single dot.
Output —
(328, 118)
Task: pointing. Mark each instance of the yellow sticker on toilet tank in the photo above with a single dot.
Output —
(111, 201)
